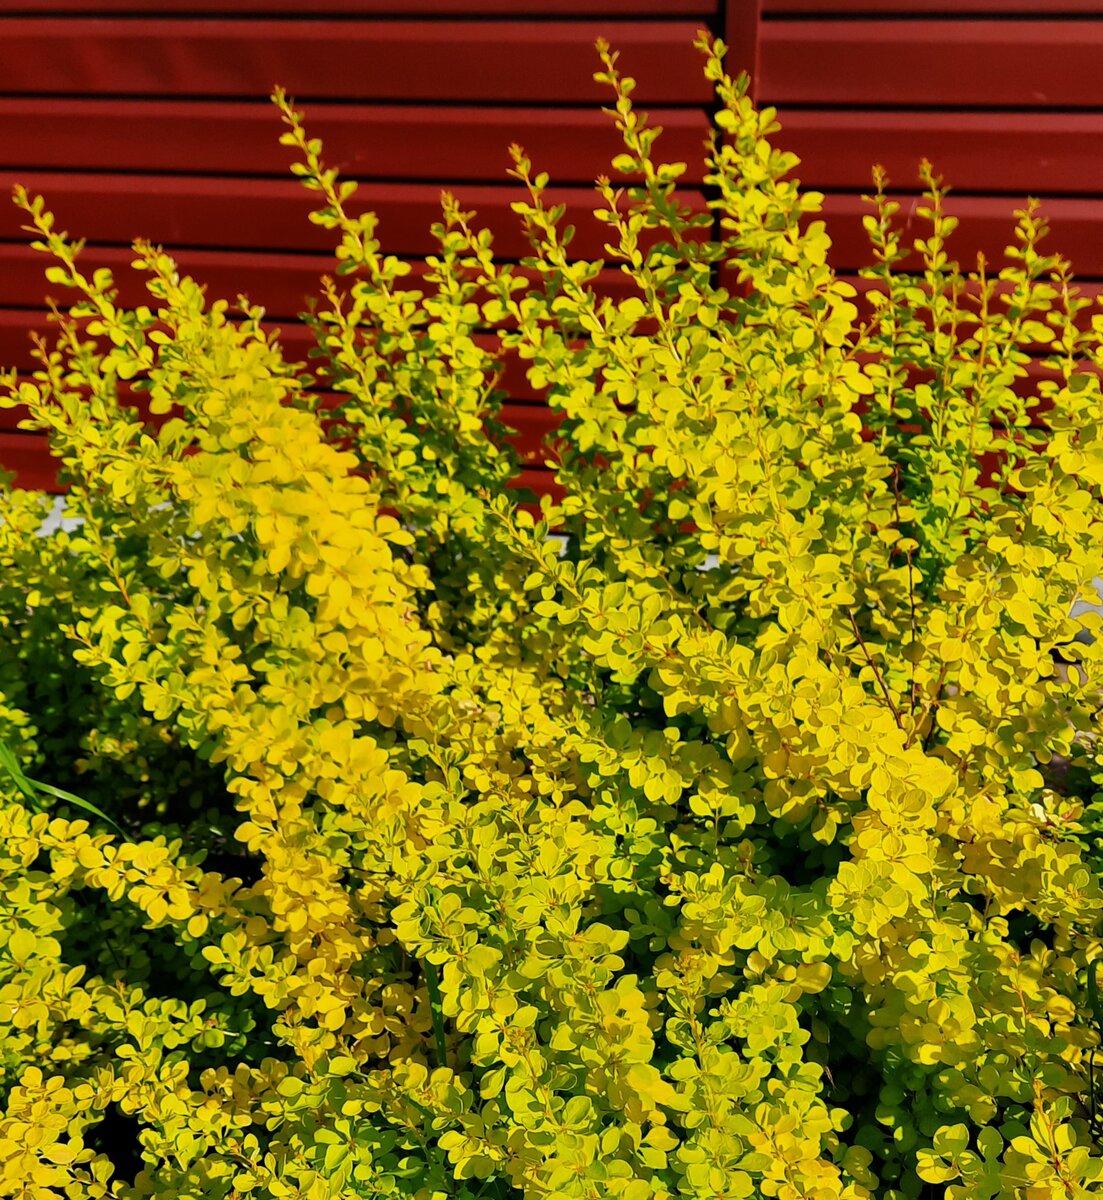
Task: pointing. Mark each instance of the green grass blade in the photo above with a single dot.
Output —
(69, 798)
(33, 787)
(10, 764)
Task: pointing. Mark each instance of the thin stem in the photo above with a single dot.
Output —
(876, 671)
(931, 707)
(911, 582)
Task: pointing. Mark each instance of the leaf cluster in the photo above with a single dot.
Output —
(361, 838)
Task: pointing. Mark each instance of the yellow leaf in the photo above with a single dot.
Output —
(21, 945)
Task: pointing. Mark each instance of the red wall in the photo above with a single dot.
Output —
(1005, 97)
(151, 119)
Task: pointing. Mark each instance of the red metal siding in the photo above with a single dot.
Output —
(903, 8)
(931, 62)
(324, 59)
(153, 120)
(1002, 96)
(158, 126)
(372, 8)
(428, 142)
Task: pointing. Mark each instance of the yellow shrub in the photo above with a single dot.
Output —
(721, 854)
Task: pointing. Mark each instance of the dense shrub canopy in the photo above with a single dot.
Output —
(718, 850)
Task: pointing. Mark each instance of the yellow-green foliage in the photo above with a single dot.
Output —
(719, 855)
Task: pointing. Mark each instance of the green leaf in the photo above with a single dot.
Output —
(951, 1139)
(10, 763)
(69, 798)
(31, 787)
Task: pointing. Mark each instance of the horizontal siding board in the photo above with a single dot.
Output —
(1028, 64)
(282, 283)
(1023, 152)
(901, 8)
(191, 211)
(453, 142)
(986, 225)
(522, 62)
(373, 8)
(29, 457)
(262, 214)
(16, 328)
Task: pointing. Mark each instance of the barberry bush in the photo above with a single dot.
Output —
(715, 847)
